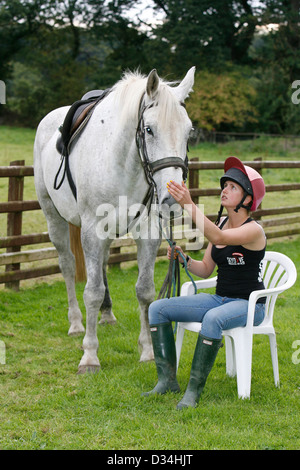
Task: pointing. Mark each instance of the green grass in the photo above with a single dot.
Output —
(45, 405)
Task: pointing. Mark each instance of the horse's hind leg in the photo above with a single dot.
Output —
(59, 235)
(107, 315)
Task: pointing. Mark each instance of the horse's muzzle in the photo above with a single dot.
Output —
(169, 208)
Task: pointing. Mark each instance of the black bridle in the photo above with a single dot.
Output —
(172, 280)
(150, 168)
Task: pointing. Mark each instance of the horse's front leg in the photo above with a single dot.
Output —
(145, 291)
(94, 293)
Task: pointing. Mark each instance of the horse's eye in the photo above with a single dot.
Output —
(149, 130)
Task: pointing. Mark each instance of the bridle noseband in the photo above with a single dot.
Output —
(150, 168)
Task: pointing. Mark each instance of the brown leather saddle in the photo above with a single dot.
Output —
(77, 117)
(75, 121)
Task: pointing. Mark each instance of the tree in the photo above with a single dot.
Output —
(207, 34)
(222, 100)
(276, 57)
(59, 46)
(126, 50)
(22, 20)
(66, 47)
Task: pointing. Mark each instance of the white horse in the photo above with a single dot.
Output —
(136, 139)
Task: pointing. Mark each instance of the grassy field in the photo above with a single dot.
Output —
(45, 405)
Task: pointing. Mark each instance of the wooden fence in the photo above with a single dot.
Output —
(15, 239)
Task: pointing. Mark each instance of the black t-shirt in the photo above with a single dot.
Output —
(239, 270)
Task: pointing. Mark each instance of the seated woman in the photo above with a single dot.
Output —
(237, 246)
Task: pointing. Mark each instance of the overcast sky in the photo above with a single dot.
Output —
(145, 11)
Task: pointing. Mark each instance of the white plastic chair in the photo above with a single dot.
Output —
(279, 274)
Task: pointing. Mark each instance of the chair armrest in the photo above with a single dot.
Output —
(257, 294)
(188, 289)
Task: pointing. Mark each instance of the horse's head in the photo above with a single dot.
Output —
(162, 136)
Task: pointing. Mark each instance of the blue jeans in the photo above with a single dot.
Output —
(216, 313)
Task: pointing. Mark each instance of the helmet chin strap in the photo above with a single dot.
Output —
(241, 204)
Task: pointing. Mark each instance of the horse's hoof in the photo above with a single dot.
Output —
(76, 330)
(146, 357)
(107, 317)
(107, 322)
(88, 369)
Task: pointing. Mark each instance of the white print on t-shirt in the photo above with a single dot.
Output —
(260, 272)
(236, 259)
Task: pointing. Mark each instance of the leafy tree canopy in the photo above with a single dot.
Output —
(52, 51)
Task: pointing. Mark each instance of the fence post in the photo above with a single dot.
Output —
(194, 180)
(259, 170)
(14, 219)
(116, 250)
(75, 241)
(194, 183)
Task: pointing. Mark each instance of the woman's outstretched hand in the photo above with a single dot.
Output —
(180, 193)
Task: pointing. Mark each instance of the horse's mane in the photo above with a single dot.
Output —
(129, 91)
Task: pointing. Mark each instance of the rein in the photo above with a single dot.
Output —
(171, 284)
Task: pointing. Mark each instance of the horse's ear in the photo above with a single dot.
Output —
(186, 86)
(152, 83)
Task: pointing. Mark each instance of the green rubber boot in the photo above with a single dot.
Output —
(165, 359)
(204, 357)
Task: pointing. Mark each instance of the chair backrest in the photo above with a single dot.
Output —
(278, 271)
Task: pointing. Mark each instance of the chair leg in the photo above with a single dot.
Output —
(274, 356)
(243, 356)
(178, 343)
(230, 357)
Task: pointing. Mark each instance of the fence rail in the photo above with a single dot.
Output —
(13, 242)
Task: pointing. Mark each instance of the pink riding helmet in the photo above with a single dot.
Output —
(256, 180)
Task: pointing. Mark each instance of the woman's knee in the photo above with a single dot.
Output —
(229, 315)
(155, 313)
(211, 325)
